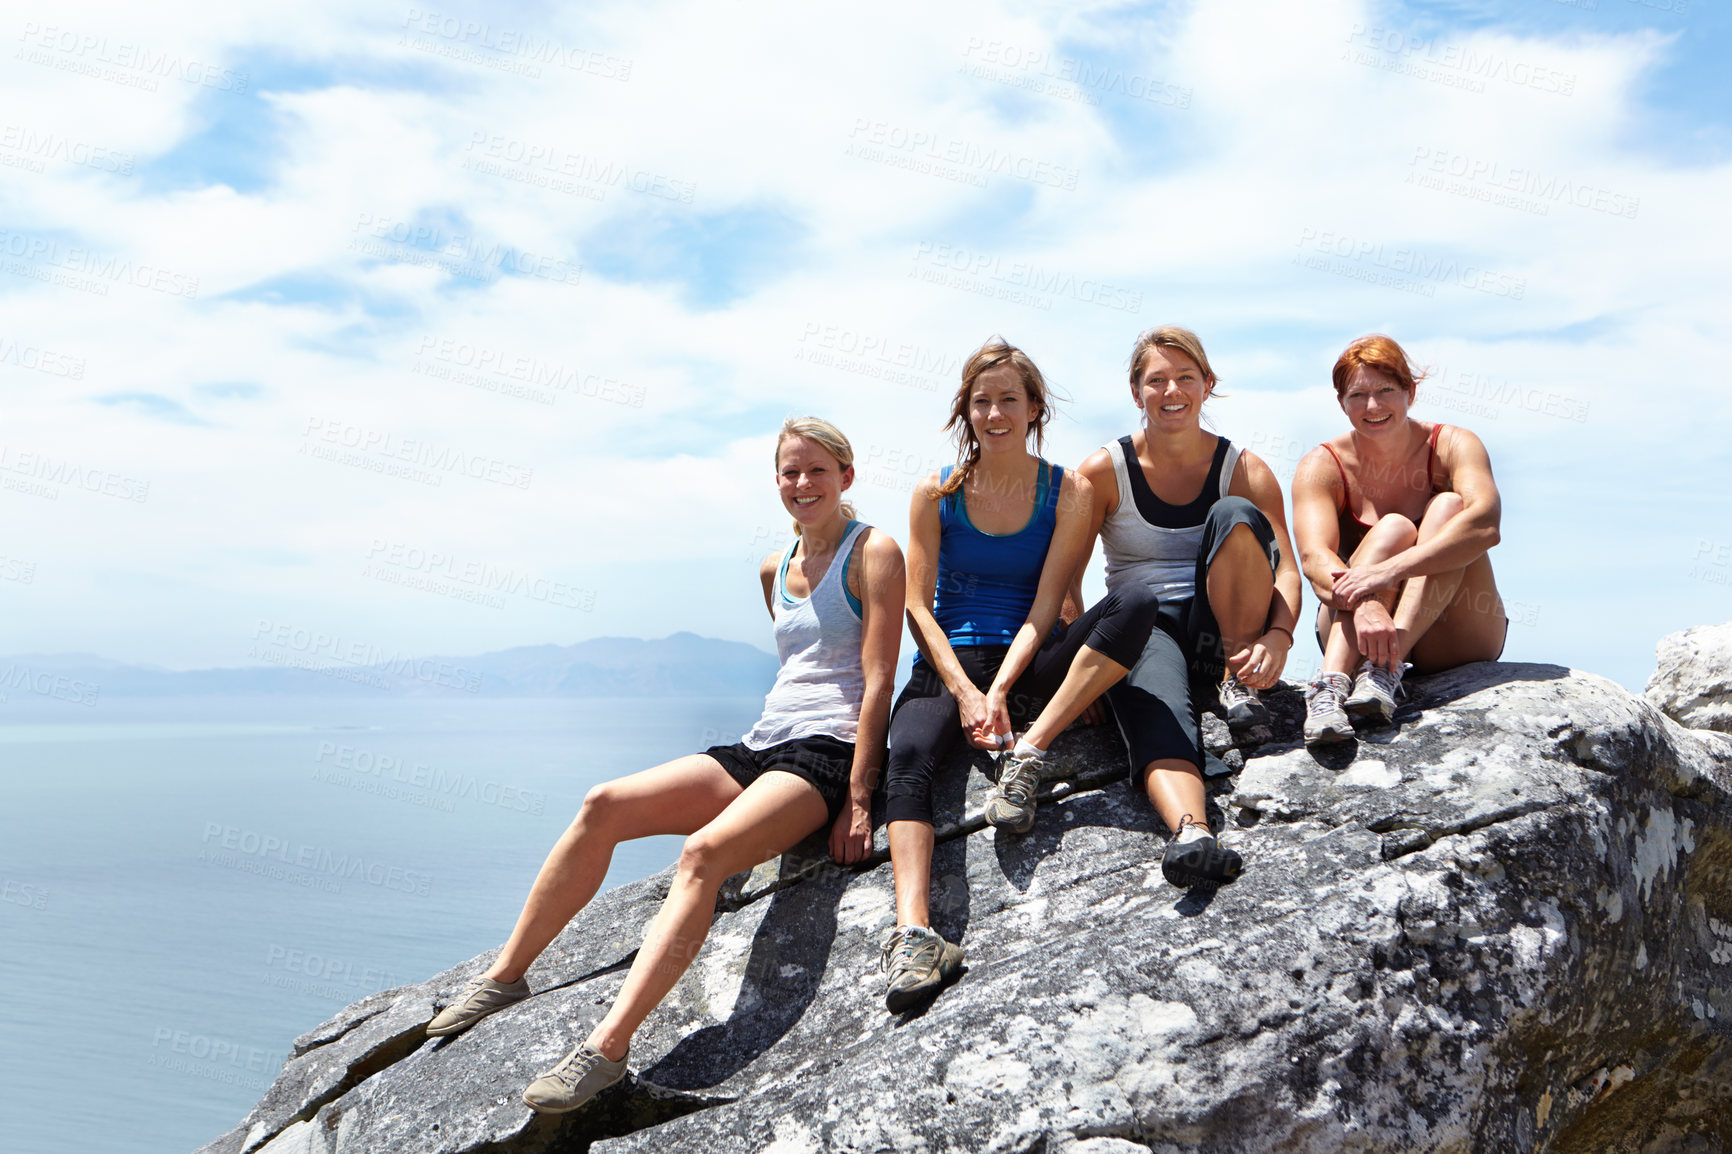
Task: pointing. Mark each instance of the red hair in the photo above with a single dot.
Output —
(1375, 352)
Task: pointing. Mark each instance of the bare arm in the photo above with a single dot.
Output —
(1463, 539)
(879, 580)
(924, 531)
(1256, 482)
(767, 574)
(1468, 535)
(1065, 557)
(1317, 503)
(1097, 470)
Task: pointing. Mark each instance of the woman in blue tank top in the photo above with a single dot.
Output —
(993, 543)
(836, 597)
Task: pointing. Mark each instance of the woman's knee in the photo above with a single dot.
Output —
(1395, 525)
(1234, 510)
(1138, 603)
(1440, 509)
(703, 858)
(601, 807)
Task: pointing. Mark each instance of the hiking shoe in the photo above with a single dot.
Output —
(918, 962)
(1325, 720)
(479, 998)
(1244, 709)
(1010, 805)
(1374, 693)
(580, 1076)
(1195, 856)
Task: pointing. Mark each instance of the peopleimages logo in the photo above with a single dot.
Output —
(268, 849)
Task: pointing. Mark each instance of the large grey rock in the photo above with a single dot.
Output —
(1503, 924)
(1692, 681)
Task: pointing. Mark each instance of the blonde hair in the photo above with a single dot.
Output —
(995, 352)
(1170, 337)
(828, 437)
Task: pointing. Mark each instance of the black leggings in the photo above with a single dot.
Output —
(1156, 712)
(926, 728)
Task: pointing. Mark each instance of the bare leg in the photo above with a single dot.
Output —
(1091, 674)
(1175, 789)
(770, 816)
(1466, 628)
(911, 845)
(1391, 535)
(1471, 629)
(1240, 585)
(679, 797)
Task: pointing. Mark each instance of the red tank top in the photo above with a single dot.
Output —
(1353, 530)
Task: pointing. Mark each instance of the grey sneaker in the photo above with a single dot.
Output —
(1010, 805)
(479, 998)
(580, 1076)
(1325, 720)
(1374, 693)
(918, 962)
(1244, 709)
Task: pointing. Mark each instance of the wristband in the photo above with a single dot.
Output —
(1281, 629)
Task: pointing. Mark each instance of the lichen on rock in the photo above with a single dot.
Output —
(1503, 923)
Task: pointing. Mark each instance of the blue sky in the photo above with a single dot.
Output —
(327, 316)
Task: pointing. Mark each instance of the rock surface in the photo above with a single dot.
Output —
(1692, 682)
(1503, 923)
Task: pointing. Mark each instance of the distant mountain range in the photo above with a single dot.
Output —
(683, 665)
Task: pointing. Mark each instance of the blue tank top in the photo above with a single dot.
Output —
(987, 581)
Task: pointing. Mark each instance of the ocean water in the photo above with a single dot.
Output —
(187, 884)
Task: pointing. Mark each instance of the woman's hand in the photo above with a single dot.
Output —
(1259, 665)
(851, 835)
(992, 731)
(1379, 642)
(1353, 586)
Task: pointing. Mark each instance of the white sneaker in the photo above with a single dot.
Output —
(1374, 693)
(1325, 720)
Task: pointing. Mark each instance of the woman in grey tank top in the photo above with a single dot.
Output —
(1201, 522)
(836, 597)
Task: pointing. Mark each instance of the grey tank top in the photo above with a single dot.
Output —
(821, 683)
(1164, 559)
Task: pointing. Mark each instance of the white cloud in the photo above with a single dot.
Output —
(1209, 147)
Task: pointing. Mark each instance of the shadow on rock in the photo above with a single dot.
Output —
(789, 954)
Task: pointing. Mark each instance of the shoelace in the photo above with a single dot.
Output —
(1234, 692)
(1019, 780)
(1326, 694)
(906, 946)
(1385, 680)
(575, 1066)
(474, 987)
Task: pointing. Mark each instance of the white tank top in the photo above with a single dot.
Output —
(821, 683)
(1163, 559)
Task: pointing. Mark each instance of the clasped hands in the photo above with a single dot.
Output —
(1356, 588)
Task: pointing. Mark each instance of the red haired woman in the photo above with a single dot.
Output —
(1394, 519)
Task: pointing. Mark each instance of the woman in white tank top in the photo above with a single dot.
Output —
(836, 597)
(1201, 522)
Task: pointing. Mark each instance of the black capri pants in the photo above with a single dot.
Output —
(925, 728)
(1154, 707)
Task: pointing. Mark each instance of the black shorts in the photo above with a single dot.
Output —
(824, 762)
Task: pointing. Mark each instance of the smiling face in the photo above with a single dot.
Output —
(1000, 410)
(810, 480)
(1170, 390)
(1374, 401)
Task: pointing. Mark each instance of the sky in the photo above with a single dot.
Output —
(411, 330)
